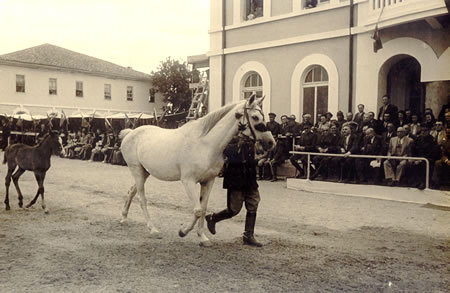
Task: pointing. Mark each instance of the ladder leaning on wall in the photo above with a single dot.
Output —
(199, 99)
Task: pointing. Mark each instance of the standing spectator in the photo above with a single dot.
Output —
(398, 146)
(273, 126)
(240, 182)
(42, 132)
(276, 158)
(306, 143)
(387, 107)
(6, 133)
(358, 118)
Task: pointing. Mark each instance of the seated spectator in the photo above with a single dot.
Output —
(386, 137)
(329, 116)
(86, 147)
(438, 133)
(326, 143)
(97, 150)
(349, 117)
(116, 157)
(441, 171)
(429, 120)
(426, 147)
(70, 147)
(401, 118)
(398, 146)
(414, 125)
(108, 147)
(306, 143)
(42, 132)
(408, 114)
(347, 145)
(371, 145)
(340, 119)
(323, 123)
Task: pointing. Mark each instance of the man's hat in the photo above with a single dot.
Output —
(272, 114)
(292, 117)
(284, 116)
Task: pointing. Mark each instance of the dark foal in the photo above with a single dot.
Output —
(30, 158)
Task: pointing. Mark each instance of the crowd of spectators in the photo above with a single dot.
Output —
(392, 133)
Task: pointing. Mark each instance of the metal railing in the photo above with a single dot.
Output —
(427, 163)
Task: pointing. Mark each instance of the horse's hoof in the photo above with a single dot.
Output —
(155, 235)
(8, 208)
(181, 233)
(123, 221)
(20, 205)
(206, 243)
(46, 212)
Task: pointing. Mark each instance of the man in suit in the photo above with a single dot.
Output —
(387, 107)
(398, 146)
(424, 146)
(306, 143)
(325, 143)
(273, 126)
(371, 145)
(358, 118)
(348, 145)
(386, 137)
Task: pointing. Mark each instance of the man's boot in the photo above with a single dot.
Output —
(274, 173)
(213, 218)
(249, 238)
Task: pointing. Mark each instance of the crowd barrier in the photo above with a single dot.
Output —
(309, 154)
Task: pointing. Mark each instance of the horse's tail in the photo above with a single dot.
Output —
(124, 133)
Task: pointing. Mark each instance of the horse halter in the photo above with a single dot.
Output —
(243, 126)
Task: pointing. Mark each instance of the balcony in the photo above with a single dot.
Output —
(394, 12)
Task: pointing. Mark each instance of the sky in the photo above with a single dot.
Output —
(136, 33)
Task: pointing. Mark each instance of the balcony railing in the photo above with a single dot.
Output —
(380, 4)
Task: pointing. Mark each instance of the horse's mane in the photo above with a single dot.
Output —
(44, 138)
(209, 121)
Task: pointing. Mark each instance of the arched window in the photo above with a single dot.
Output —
(253, 84)
(315, 91)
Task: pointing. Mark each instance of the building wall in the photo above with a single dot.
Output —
(281, 62)
(287, 38)
(37, 90)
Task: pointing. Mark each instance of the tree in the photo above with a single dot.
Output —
(172, 81)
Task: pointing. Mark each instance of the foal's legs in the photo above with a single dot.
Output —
(140, 176)
(40, 176)
(8, 183)
(15, 178)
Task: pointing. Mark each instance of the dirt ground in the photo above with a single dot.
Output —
(312, 242)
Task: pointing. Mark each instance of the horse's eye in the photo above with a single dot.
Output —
(256, 118)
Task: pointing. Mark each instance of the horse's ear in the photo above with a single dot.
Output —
(251, 100)
(260, 100)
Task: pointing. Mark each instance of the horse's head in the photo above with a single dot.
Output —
(253, 124)
(55, 142)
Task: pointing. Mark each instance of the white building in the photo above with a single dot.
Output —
(48, 77)
(321, 58)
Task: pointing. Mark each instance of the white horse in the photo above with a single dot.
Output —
(192, 153)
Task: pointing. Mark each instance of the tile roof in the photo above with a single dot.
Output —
(51, 55)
